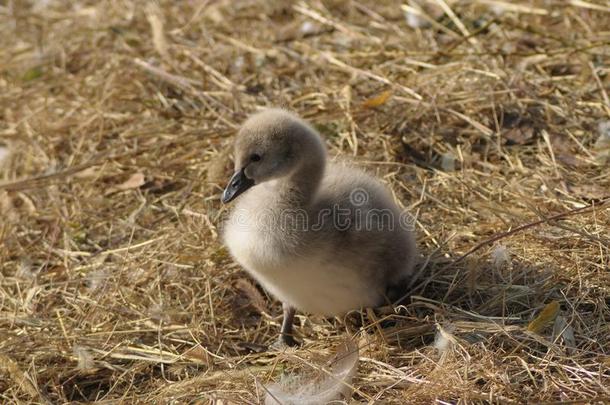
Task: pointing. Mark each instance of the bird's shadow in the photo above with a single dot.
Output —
(488, 288)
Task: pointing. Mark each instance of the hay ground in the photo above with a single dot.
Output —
(118, 118)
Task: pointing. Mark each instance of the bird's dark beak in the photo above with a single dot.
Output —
(237, 185)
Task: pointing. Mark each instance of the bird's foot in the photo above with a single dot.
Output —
(284, 341)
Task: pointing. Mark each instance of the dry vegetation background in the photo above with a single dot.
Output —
(116, 119)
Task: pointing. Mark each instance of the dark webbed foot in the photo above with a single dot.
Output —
(286, 336)
(286, 340)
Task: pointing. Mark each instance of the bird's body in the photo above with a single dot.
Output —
(322, 238)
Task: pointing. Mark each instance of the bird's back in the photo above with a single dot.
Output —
(365, 228)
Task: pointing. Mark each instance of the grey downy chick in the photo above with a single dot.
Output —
(323, 238)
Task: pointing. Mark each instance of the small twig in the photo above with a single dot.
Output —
(181, 82)
(582, 210)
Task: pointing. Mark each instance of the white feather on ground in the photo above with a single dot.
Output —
(565, 330)
(500, 257)
(335, 384)
(84, 357)
(444, 339)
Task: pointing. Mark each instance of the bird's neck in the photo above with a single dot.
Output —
(302, 185)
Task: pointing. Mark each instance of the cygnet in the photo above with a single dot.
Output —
(323, 238)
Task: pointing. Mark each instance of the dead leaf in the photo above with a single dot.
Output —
(198, 353)
(134, 181)
(544, 318)
(378, 100)
(519, 136)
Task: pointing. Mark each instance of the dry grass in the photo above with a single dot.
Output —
(114, 285)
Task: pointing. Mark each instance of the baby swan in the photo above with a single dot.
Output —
(323, 238)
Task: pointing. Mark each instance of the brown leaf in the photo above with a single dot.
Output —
(378, 100)
(134, 181)
(197, 353)
(88, 173)
(544, 318)
(519, 135)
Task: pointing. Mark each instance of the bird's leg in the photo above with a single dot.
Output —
(286, 336)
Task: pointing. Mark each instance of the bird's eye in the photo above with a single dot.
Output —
(255, 157)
